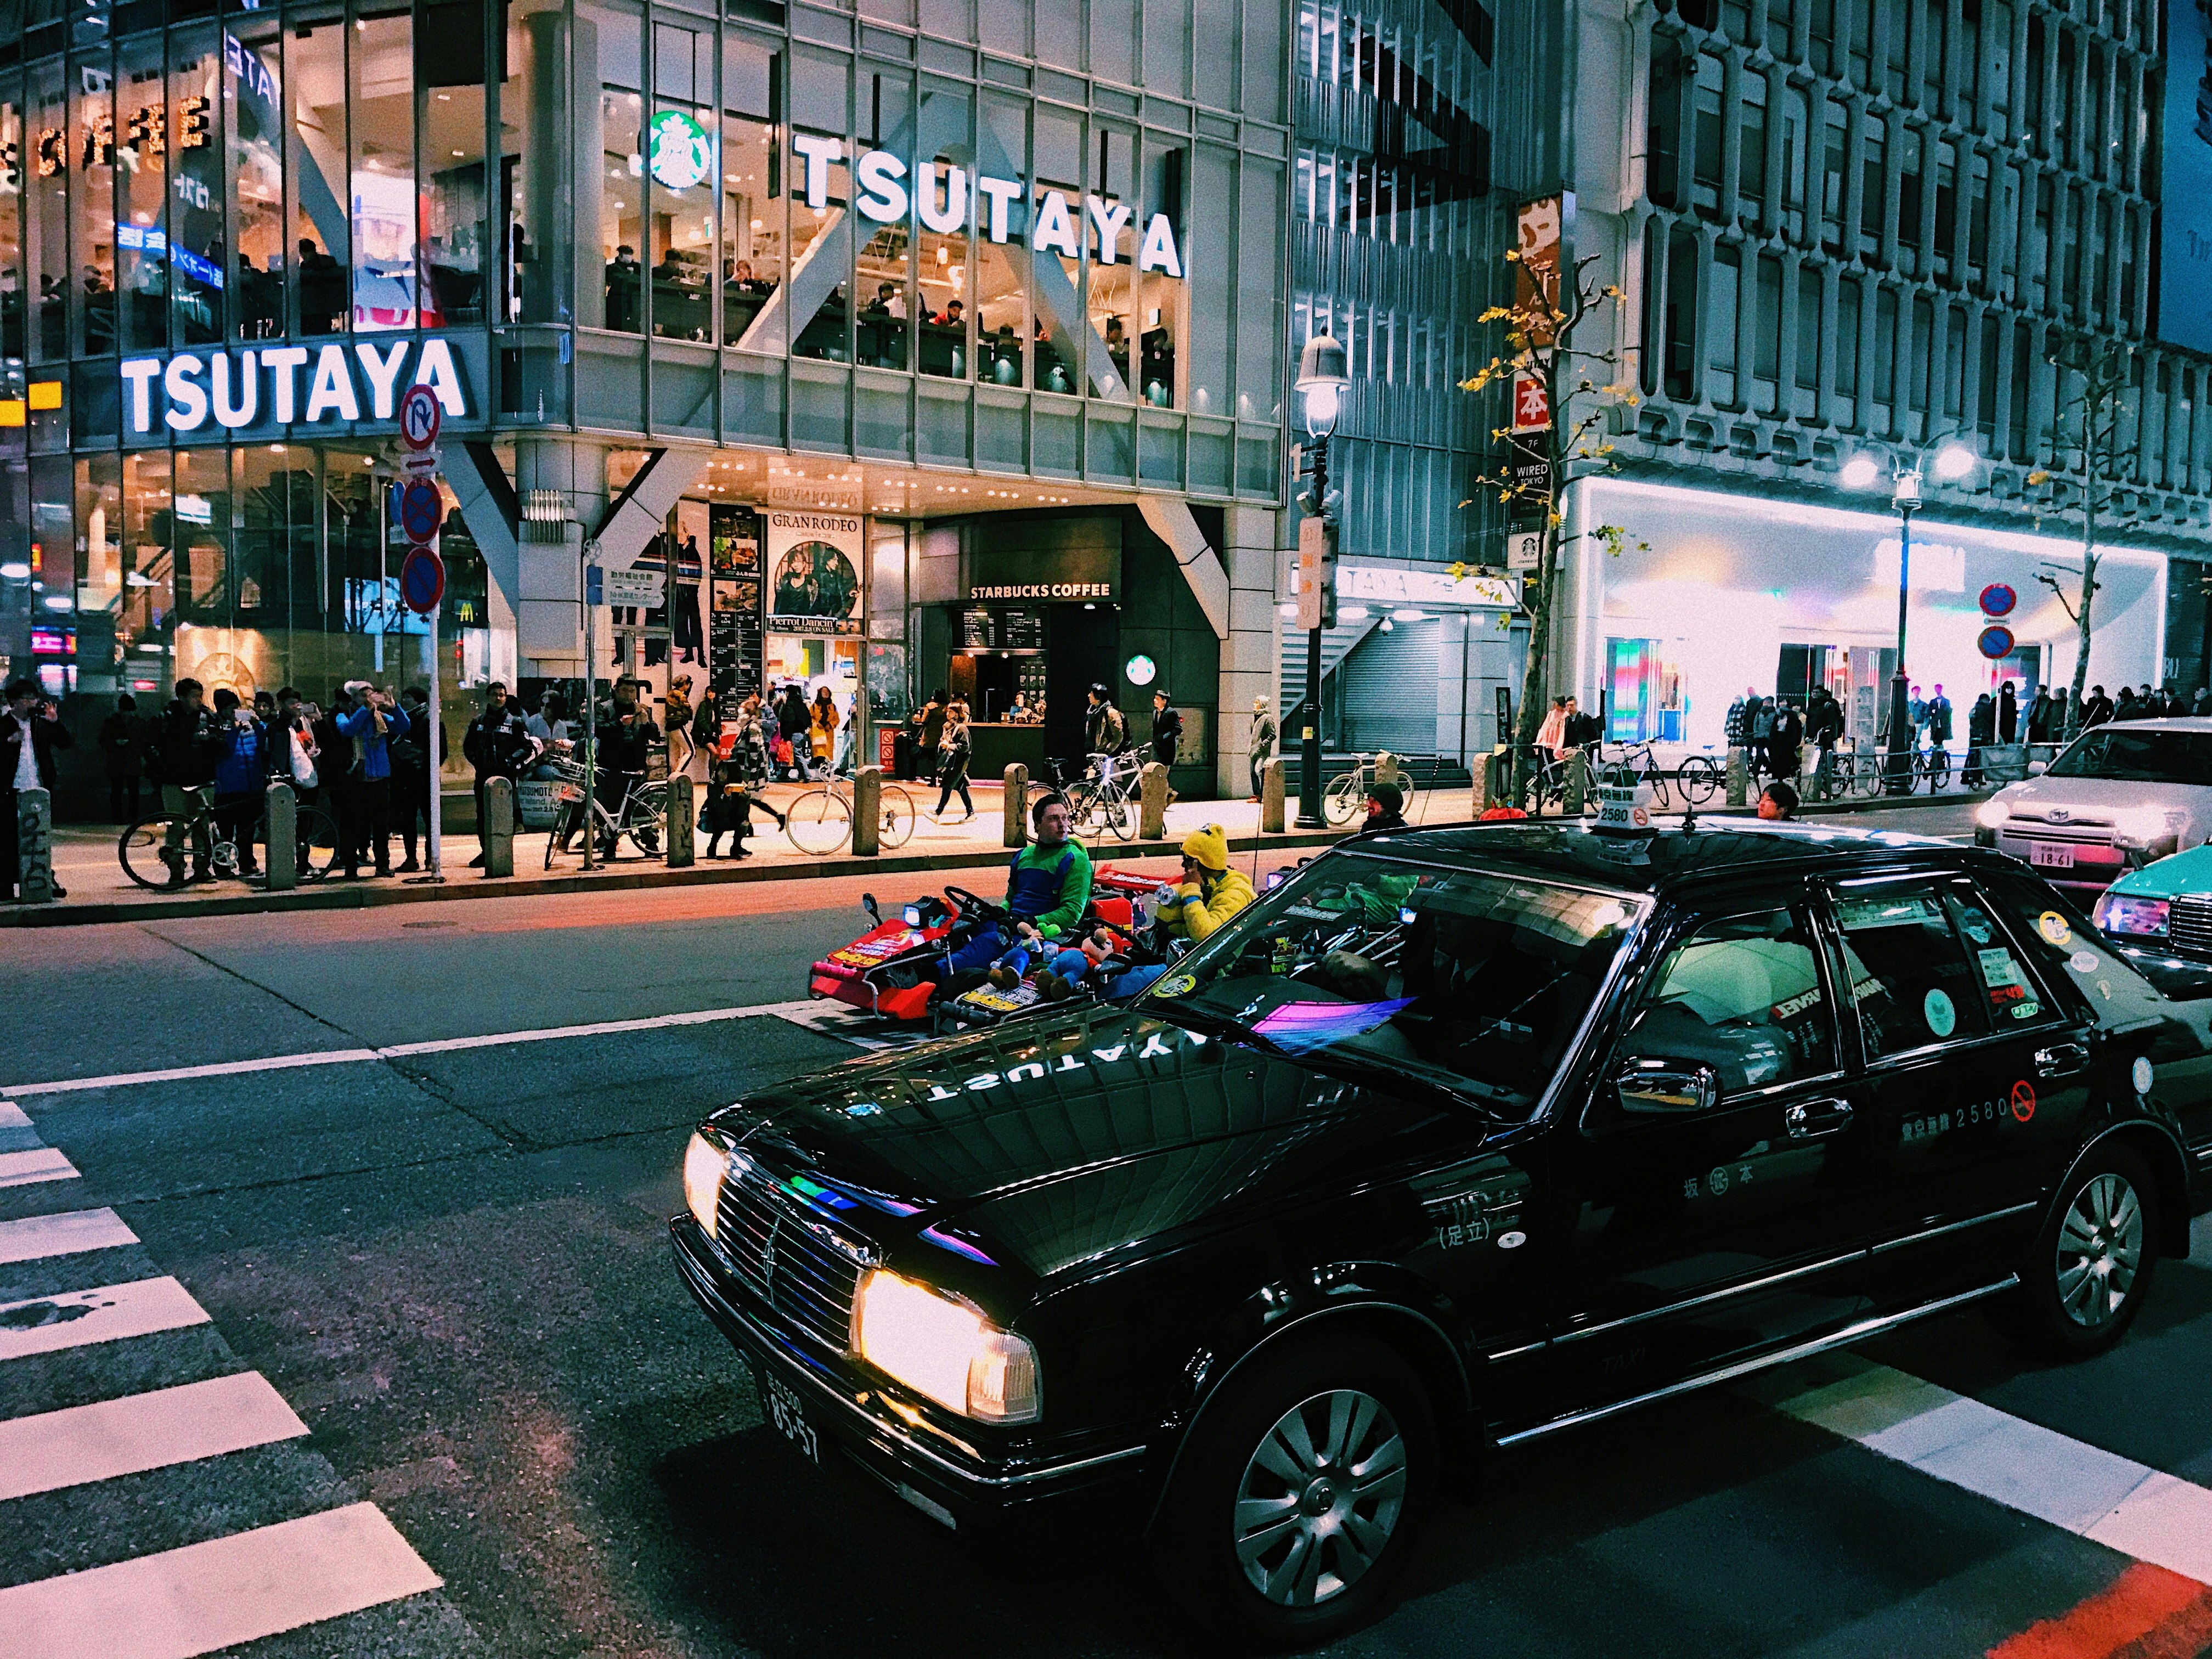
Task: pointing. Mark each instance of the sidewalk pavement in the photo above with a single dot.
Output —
(86, 864)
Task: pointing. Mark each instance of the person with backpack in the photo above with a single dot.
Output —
(1981, 732)
(1785, 740)
(1824, 726)
(796, 748)
(187, 748)
(954, 750)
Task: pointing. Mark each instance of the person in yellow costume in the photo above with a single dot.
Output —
(1209, 893)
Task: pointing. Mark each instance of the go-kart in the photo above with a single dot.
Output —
(1116, 911)
(880, 973)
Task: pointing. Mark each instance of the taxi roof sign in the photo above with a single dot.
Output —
(1624, 810)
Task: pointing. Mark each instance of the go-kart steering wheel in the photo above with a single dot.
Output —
(982, 909)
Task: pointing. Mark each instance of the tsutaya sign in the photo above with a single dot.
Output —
(888, 190)
(265, 384)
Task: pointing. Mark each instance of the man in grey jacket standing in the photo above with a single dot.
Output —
(1263, 740)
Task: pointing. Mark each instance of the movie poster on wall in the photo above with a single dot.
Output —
(687, 588)
(733, 622)
(812, 562)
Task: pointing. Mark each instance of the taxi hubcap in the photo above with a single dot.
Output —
(1320, 1499)
(2100, 1250)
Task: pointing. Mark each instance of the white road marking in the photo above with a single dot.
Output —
(218, 1594)
(69, 1233)
(11, 1117)
(140, 1431)
(39, 1163)
(77, 1319)
(2111, 1500)
(401, 1050)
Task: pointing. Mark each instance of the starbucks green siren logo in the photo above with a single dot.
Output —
(682, 154)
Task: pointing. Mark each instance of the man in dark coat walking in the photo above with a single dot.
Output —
(30, 732)
(120, 747)
(2008, 713)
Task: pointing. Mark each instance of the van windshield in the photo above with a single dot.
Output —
(2132, 756)
(1475, 983)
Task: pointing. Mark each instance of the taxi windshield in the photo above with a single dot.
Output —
(2138, 756)
(1471, 982)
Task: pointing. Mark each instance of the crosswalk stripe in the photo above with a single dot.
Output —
(216, 1594)
(140, 1431)
(69, 1233)
(47, 1324)
(39, 1163)
(2109, 1500)
(12, 1117)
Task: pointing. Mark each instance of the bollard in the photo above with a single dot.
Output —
(1015, 807)
(1388, 768)
(867, 811)
(34, 845)
(1738, 776)
(1478, 789)
(282, 862)
(497, 829)
(1577, 784)
(1153, 825)
(1271, 796)
(682, 822)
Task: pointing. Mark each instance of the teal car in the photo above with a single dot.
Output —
(2159, 918)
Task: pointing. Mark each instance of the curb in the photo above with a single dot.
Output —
(361, 895)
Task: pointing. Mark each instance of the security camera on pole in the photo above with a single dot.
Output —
(422, 574)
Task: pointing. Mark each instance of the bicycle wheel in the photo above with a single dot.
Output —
(1121, 815)
(139, 847)
(316, 833)
(818, 821)
(644, 835)
(895, 807)
(1082, 806)
(1700, 779)
(1343, 799)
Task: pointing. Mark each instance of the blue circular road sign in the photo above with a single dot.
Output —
(422, 581)
(421, 509)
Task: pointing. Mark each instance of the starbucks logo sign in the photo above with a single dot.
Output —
(679, 153)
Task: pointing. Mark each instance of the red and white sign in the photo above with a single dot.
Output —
(420, 416)
(1532, 404)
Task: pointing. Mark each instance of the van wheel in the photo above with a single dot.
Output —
(2091, 1265)
(1298, 1495)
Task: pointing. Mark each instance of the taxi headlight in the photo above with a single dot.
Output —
(1992, 814)
(2125, 912)
(943, 1349)
(704, 1160)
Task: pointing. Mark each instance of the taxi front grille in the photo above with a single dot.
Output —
(2077, 835)
(788, 1255)
(2189, 924)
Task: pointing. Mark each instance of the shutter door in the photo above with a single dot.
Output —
(1390, 689)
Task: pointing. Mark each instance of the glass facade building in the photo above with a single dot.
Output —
(918, 261)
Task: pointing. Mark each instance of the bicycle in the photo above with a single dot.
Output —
(1932, 766)
(140, 848)
(819, 821)
(1348, 793)
(643, 806)
(1104, 798)
(1699, 777)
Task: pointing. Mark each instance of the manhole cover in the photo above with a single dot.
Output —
(429, 924)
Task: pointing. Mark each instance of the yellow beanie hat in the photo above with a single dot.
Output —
(1209, 846)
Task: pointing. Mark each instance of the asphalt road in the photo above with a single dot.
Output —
(451, 1263)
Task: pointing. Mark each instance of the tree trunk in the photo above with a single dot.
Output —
(1535, 679)
(2082, 613)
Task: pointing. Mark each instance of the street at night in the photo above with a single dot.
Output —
(445, 1247)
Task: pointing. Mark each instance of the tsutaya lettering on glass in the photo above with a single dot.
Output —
(884, 195)
(362, 383)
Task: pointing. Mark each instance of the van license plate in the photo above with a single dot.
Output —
(2050, 857)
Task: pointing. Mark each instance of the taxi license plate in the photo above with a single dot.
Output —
(2050, 857)
(784, 1410)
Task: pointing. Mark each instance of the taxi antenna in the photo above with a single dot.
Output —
(1689, 816)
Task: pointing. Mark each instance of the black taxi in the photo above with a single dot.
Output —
(1456, 1139)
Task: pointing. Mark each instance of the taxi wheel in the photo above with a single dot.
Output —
(2090, 1266)
(1299, 1495)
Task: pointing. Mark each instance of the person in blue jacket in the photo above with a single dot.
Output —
(240, 775)
(369, 726)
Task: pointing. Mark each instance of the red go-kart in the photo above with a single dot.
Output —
(880, 972)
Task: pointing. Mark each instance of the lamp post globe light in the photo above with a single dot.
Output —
(1322, 381)
(1953, 462)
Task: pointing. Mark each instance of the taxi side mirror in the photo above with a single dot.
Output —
(1660, 1087)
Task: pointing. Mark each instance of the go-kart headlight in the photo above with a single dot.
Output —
(704, 1160)
(943, 1349)
(911, 915)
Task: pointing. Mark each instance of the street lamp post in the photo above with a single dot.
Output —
(1952, 463)
(1322, 377)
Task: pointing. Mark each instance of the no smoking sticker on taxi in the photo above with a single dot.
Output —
(2023, 1101)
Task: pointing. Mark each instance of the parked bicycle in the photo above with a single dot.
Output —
(644, 805)
(1346, 797)
(204, 853)
(819, 820)
(1693, 783)
(1103, 799)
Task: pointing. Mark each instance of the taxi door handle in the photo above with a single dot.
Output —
(1808, 1119)
(2061, 1060)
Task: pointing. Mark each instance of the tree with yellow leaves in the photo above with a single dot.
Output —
(1585, 392)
